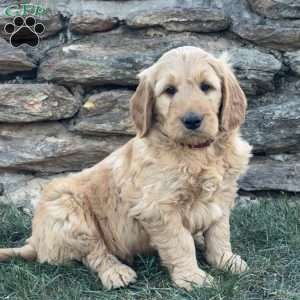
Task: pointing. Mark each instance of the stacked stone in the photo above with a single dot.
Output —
(64, 104)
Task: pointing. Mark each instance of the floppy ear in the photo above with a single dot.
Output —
(141, 106)
(234, 102)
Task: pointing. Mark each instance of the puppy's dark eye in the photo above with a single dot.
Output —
(171, 90)
(205, 87)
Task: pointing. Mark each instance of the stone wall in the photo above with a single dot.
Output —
(64, 104)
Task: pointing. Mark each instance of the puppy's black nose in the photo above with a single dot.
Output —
(191, 120)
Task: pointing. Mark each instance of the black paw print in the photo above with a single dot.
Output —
(24, 31)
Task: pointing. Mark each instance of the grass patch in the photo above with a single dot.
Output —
(267, 235)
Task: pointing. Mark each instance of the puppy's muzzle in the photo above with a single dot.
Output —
(191, 120)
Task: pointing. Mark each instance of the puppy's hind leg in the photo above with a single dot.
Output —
(64, 229)
(26, 252)
(111, 271)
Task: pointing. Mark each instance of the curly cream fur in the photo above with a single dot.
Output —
(156, 192)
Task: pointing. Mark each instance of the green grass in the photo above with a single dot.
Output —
(267, 235)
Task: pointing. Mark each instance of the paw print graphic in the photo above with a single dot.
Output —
(24, 31)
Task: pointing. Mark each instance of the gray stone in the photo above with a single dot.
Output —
(105, 113)
(22, 189)
(36, 102)
(52, 22)
(13, 59)
(117, 57)
(122, 9)
(294, 61)
(38, 53)
(276, 9)
(277, 34)
(254, 69)
(280, 34)
(181, 19)
(89, 22)
(278, 172)
(288, 87)
(49, 148)
(246, 201)
(275, 128)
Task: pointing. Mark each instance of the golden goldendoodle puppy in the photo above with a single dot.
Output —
(177, 179)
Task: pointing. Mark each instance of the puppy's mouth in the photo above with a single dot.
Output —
(200, 145)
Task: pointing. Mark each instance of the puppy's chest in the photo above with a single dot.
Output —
(201, 184)
(198, 203)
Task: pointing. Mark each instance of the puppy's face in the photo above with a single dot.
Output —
(189, 96)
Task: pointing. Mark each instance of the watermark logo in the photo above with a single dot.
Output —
(25, 29)
(24, 9)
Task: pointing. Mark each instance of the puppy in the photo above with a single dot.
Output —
(177, 179)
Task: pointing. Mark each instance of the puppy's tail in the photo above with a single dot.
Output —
(27, 252)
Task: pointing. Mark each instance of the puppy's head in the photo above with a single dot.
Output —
(189, 96)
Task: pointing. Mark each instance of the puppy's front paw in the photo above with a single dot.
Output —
(190, 279)
(236, 264)
(118, 276)
(229, 262)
